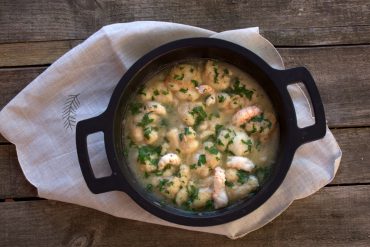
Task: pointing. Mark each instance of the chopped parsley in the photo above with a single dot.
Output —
(261, 119)
(226, 71)
(146, 120)
(242, 176)
(199, 114)
(135, 108)
(181, 136)
(156, 92)
(218, 129)
(187, 131)
(149, 187)
(165, 92)
(229, 184)
(178, 77)
(249, 145)
(162, 184)
(147, 132)
(193, 166)
(141, 91)
(195, 83)
(209, 205)
(221, 98)
(240, 90)
(193, 194)
(202, 160)
(149, 154)
(184, 90)
(215, 78)
(212, 150)
(213, 114)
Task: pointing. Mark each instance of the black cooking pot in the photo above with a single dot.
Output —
(273, 81)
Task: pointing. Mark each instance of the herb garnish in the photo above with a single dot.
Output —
(135, 108)
(178, 77)
(199, 114)
(239, 89)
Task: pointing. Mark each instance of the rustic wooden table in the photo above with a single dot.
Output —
(331, 38)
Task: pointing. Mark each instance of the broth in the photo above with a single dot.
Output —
(201, 135)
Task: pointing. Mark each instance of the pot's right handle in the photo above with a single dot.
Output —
(318, 129)
(83, 129)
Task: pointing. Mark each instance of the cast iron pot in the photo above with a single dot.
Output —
(273, 81)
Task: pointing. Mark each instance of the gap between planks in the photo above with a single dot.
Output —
(335, 216)
(283, 22)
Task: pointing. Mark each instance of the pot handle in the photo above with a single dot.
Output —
(318, 129)
(83, 129)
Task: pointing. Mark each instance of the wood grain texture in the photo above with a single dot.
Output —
(354, 167)
(343, 77)
(290, 22)
(343, 84)
(33, 53)
(12, 81)
(13, 183)
(332, 217)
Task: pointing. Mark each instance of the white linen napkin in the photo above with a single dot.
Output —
(83, 80)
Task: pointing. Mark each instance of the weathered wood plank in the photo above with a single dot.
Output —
(283, 22)
(12, 81)
(13, 183)
(342, 75)
(354, 167)
(335, 216)
(343, 83)
(33, 53)
(3, 140)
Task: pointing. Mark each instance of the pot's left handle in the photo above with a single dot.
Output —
(83, 129)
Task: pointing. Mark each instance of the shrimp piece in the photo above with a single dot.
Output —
(136, 133)
(150, 135)
(190, 146)
(148, 167)
(173, 138)
(241, 144)
(182, 196)
(183, 76)
(245, 114)
(224, 138)
(156, 108)
(202, 171)
(240, 191)
(216, 76)
(205, 134)
(231, 175)
(158, 92)
(223, 100)
(219, 193)
(184, 110)
(184, 174)
(240, 163)
(205, 89)
(204, 195)
(187, 94)
(213, 156)
(169, 159)
(188, 143)
(211, 100)
(172, 187)
(237, 102)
